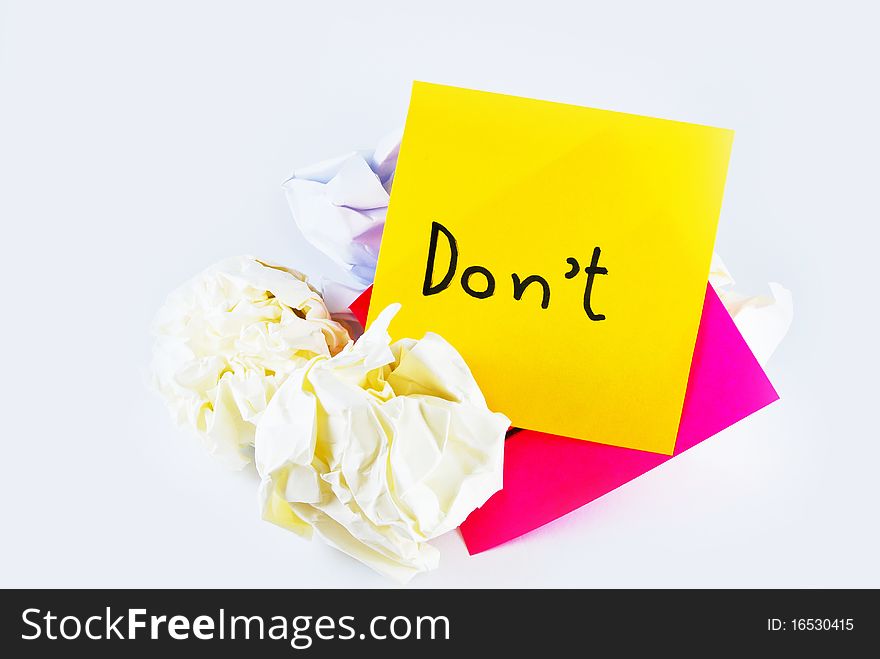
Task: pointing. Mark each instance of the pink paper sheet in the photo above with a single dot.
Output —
(547, 476)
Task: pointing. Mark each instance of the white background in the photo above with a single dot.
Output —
(142, 141)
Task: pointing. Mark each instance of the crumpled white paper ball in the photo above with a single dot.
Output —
(763, 320)
(227, 339)
(340, 206)
(380, 449)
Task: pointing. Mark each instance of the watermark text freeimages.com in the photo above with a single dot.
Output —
(300, 631)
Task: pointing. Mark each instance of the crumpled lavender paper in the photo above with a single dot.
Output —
(340, 205)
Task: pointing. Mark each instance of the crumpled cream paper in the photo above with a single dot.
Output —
(763, 320)
(380, 449)
(227, 339)
(340, 205)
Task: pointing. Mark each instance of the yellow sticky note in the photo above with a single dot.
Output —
(562, 250)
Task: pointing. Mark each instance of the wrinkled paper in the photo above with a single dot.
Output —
(380, 449)
(227, 339)
(763, 320)
(339, 206)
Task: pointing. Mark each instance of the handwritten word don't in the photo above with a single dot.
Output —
(485, 283)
